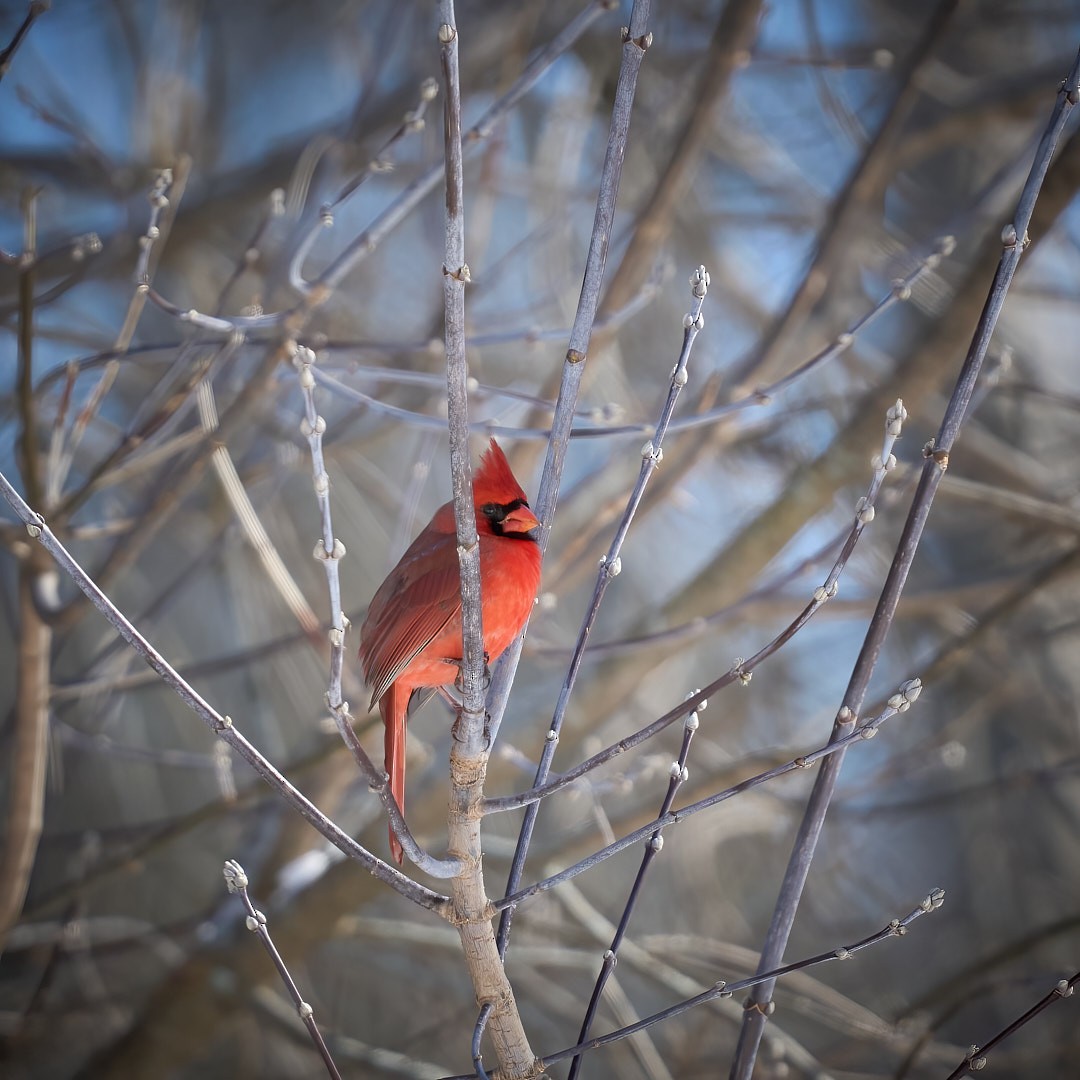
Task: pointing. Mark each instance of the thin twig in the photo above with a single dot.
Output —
(636, 39)
(236, 881)
(7, 54)
(29, 449)
(677, 777)
(164, 195)
(329, 550)
(413, 121)
(976, 1058)
(731, 43)
(275, 208)
(276, 572)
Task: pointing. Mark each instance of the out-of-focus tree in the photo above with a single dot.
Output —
(810, 154)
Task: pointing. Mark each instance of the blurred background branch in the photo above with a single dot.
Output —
(810, 153)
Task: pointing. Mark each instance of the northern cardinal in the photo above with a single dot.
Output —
(411, 637)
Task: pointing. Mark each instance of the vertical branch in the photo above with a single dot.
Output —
(28, 441)
(469, 748)
(455, 276)
(1014, 238)
(164, 197)
(329, 550)
(729, 49)
(29, 754)
(636, 39)
(29, 751)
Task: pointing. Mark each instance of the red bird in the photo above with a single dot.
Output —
(411, 637)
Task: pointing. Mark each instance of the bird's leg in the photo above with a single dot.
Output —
(459, 684)
(487, 729)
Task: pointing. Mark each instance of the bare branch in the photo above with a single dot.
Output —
(471, 743)
(330, 551)
(653, 847)
(1014, 239)
(7, 54)
(977, 1056)
(236, 881)
(636, 39)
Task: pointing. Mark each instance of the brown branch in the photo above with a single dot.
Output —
(729, 49)
(847, 216)
(25, 809)
(26, 801)
(36, 8)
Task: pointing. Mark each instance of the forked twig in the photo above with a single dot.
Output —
(413, 121)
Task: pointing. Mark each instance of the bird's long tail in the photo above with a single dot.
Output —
(394, 707)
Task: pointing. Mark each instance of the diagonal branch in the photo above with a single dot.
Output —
(636, 40)
(1014, 238)
(849, 207)
(221, 726)
(7, 54)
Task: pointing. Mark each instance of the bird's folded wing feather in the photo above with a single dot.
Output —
(412, 608)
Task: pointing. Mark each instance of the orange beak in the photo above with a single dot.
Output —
(521, 520)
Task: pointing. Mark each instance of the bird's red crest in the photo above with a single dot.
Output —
(493, 481)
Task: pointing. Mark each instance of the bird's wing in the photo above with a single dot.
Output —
(413, 606)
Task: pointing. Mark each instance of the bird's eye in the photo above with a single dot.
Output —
(493, 511)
